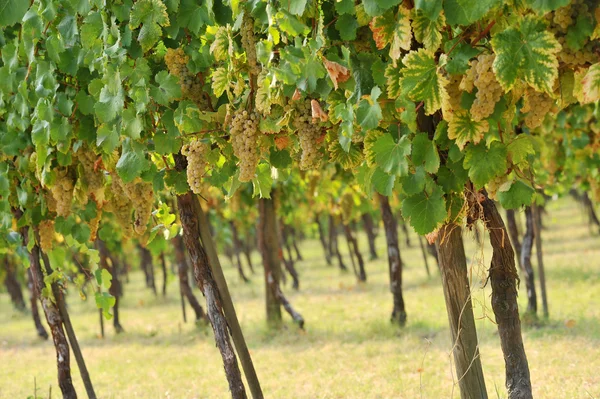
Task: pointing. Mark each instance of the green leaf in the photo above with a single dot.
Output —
(414, 183)
(484, 164)
(424, 152)
(12, 11)
(458, 59)
(280, 159)
(194, 14)
(177, 181)
(344, 6)
(452, 177)
(105, 301)
(347, 26)
(220, 81)
(528, 52)
(132, 124)
(167, 142)
(517, 195)
(465, 12)
(369, 113)
(107, 137)
(463, 129)
(430, 8)
(383, 182)
(520, 148)
(544, 6)
(151, 14)
(421, 80)
(168, 88)
(133, 161)
(295, 7)
(579, 33)
(426, 211)
(263, 181)
(391, 156)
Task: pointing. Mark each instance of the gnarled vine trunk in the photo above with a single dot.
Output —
(205, 281)
(184, 283)
(394, 260)
(147, 266)
(526, 251)
(334, 247)
(361, 274)
(115, 288)
(537, 216)
(268, 242)
(33, 298)
(369, 227)
(323, 239)
(237, 248)
(513, 232)
(503, 277)
(288, 261)
(12, 285)
(457, 292)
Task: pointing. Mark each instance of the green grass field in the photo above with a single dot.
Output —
(349, 348)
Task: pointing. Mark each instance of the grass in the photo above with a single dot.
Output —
(349, 348)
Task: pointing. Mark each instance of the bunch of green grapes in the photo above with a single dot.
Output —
(244, 133)
(489, 90)
(586, 55)
(120, 205)
(196, 153)
(347, 205)
(94, 224)
(468, 81)
(494, 185)
(94, 179)
(454, 92)
(309, 134)
(46, 230)
(142, 199)
(561, 19)
(249, 43)
(62, 191)
(536, 106)
(191, 86)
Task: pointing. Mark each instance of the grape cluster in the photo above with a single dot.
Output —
(196, 153)
(46, 230)
(309, 135)
(244, 133)
(489, 90)
(62, 191)
(468, 81)
(494, 185)
(120, 206)
(94, 224)
(536, 106)
(454, 93)
(93, 178)
(561, 18)
(576, 57)
(191, 86)
(347, 204)
(142, 198)
(249, 43)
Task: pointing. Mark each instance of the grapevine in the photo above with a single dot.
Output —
(142, 199)
(536, 106)
(489, 90)
(309, 135)
(62, 191)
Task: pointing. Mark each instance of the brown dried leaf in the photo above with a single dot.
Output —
(317, 111)
(337, 72)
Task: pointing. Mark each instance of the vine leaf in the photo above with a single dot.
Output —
(133, 161)
(168, 88)
(484, 164)
(151, 14)
(383, 182)
(394, 30)
(516, 196)
(428, 31)
(528, 52)
(12, 11)
(591, 84)
(520, 148)
(337, 72)
(391, 156)
(369, 113)
(424, 152)
(348, 159)
(422, 81)
(462, 129)
(263, 181)
(544, 6)
(426, 210)
(464, 12)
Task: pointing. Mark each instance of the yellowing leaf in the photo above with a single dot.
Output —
(526, 52)
(422, 80)
(317, 111)
(222, 46)
(394, 30)
(463, 129)
(591, 84)
(427, 31)
(220, 81)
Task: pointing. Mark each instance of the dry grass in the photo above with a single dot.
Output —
(349, 349)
